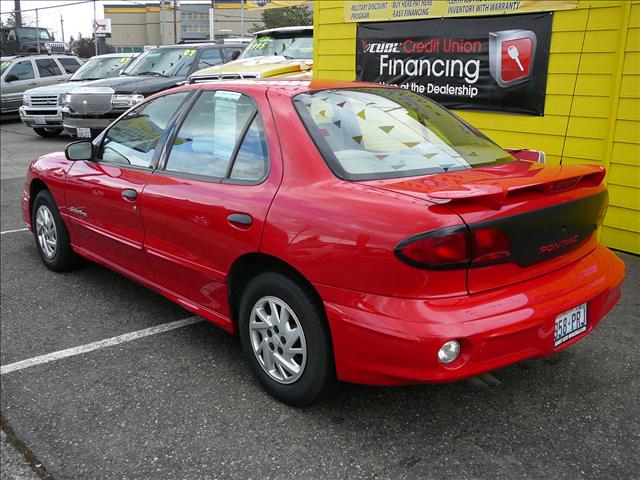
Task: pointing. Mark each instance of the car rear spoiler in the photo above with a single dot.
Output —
(493, 192)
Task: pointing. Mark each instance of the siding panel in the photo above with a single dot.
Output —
(600, 128)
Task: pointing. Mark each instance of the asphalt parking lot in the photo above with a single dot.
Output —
(183, 405)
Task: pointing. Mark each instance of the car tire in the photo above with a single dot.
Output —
(275, 346)
(51, 234)
(48, 132)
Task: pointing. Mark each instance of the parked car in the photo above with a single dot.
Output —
(278, 52)
(22, 72)
(344, 230)
(21, 40)
(41, 107)
(88, 110)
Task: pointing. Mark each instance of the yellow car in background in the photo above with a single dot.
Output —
(276, 53)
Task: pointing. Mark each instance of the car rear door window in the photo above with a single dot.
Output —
(23, 70)
(70, 65)
(47, 67)
(209, 134)
(132, 141)
(250, 163)
(209, 58)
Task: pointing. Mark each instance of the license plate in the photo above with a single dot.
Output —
(83, 132)
(569, 324)
(40, 120)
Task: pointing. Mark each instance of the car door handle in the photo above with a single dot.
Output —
(240, 219)
(129, 194)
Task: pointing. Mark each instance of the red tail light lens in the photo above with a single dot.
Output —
(455, 248)
(490, 244)
(446, 248)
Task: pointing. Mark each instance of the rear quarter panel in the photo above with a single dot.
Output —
(343, 234)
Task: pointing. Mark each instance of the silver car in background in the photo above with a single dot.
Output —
(21, 72)
(41, 107)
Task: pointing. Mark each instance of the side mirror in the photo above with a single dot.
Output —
(235, 54)
(10, 78)
(80, 150)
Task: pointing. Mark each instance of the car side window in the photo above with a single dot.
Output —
(208, 137)
(209, 58)
(250, 163)
(70, 65)
(134, 138)
(47, 67)
(23, 70)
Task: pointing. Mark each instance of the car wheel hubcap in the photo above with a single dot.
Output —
(46, 231)
(278, 340)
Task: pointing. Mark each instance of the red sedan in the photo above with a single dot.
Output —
(345, 230)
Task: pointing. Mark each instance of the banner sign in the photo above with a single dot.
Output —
(266, 4)
(377, 11)
(489, 63)
(102, 27)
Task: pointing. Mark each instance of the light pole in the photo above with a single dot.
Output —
(95, 25)
(17, 9)
(176, 5)
(37, 31)
(212, 22)
(62, 28)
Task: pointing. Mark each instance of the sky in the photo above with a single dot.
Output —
(77, 18)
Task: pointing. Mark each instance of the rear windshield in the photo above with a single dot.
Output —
(373, 133)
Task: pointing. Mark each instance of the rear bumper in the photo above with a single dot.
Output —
(31, 116)
(393, 341)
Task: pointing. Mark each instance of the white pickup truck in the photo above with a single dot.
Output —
(41, 107)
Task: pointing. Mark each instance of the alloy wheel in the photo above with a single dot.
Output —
(46, 231)
(277, 340)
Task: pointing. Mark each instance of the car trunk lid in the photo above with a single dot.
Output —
(549, 214)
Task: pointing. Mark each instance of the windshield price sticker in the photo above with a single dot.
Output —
(189, 52)
(124, 59)
(6, 63)
(260, 43)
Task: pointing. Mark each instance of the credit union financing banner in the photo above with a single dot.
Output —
(377, 11)
(266, 4)
(489, 63)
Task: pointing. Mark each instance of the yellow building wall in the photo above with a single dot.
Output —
(592, 107)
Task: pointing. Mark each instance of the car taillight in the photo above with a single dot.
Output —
(455, 247)
(490, 244)
(446, 248)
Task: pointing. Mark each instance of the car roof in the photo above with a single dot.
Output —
(284, 87)
(203, 44)
(35, 56)
(301, 28)
(114, 55)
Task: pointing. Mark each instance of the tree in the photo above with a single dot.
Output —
(84, 47)
(285, 17)
(10, 21)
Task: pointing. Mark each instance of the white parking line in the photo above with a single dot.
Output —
(89, 347)
(14, 231)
